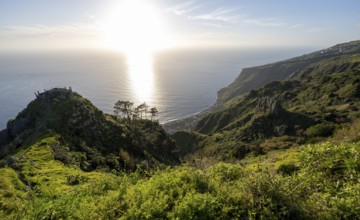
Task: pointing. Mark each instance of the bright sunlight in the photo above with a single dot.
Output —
(141, 75)
(134, 26)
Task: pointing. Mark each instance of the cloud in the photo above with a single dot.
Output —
(50, 31)
(228, 15)
(212, 25)
(268, 22)
(183, 8)
(297, 26)
(42, 36)
(220, 14)
(315, 29)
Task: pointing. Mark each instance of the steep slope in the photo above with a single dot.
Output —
(33, 172)
(255, 77)
(86, 136)
(307, 107)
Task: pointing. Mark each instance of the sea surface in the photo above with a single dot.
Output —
(178, 82)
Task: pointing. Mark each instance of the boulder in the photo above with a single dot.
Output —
(269, 105)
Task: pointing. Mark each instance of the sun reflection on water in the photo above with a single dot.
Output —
(141, 75)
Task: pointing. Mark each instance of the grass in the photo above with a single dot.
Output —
(324, 185)
(47, 175)
(273, 159)
(12, 191)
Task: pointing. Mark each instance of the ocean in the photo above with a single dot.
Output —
(178, 82)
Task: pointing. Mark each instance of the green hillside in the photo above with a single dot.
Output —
(87, 137)
(287, 150)
(306, 108)
(256, 77)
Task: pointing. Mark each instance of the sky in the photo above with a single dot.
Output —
(158, 24)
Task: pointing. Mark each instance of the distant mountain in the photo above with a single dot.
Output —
(255, 77)
(87, 137)
(308, 106)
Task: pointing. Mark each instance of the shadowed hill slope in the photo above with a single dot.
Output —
(307, 107)
(86, 135)
(256, 77)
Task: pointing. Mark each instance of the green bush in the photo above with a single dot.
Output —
(287, 169)
(75, 179)
(325, 185)
(197, 206)
(320, 130)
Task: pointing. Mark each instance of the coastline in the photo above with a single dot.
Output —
(188, 123)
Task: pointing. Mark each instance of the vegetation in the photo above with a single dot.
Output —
(252, 79)
(288, 150)
(126, 109)
(307, 108)
(256, 77)
(88, 138)
(322, 183)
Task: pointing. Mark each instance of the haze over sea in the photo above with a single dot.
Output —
(178, 82)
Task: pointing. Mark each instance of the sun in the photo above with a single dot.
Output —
(134, 26)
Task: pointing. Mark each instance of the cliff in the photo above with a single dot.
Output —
(307, 107)
(256, 77)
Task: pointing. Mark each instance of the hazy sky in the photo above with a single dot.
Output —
(44, 24)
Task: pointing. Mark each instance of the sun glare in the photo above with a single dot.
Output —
(134, 25)
(135, 28)
(141, 75)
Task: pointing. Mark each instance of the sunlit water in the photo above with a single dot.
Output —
(179, 82)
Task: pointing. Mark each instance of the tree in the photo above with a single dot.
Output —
(153, 112)
(124, 107)
(146, 107)
(142, 108)
(117, 108)
(136, 113)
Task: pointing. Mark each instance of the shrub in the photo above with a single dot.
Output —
(75, 179)
(197, 206)
(287, 169)
(275, 143)
(325, 185)
(320, 130)
(225, 172)
(350, 133)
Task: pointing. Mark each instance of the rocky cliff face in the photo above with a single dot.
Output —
(256, 77)
(307, 106)
(269, 105)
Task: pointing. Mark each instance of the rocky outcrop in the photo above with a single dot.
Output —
(15, 127)
(269, 105)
